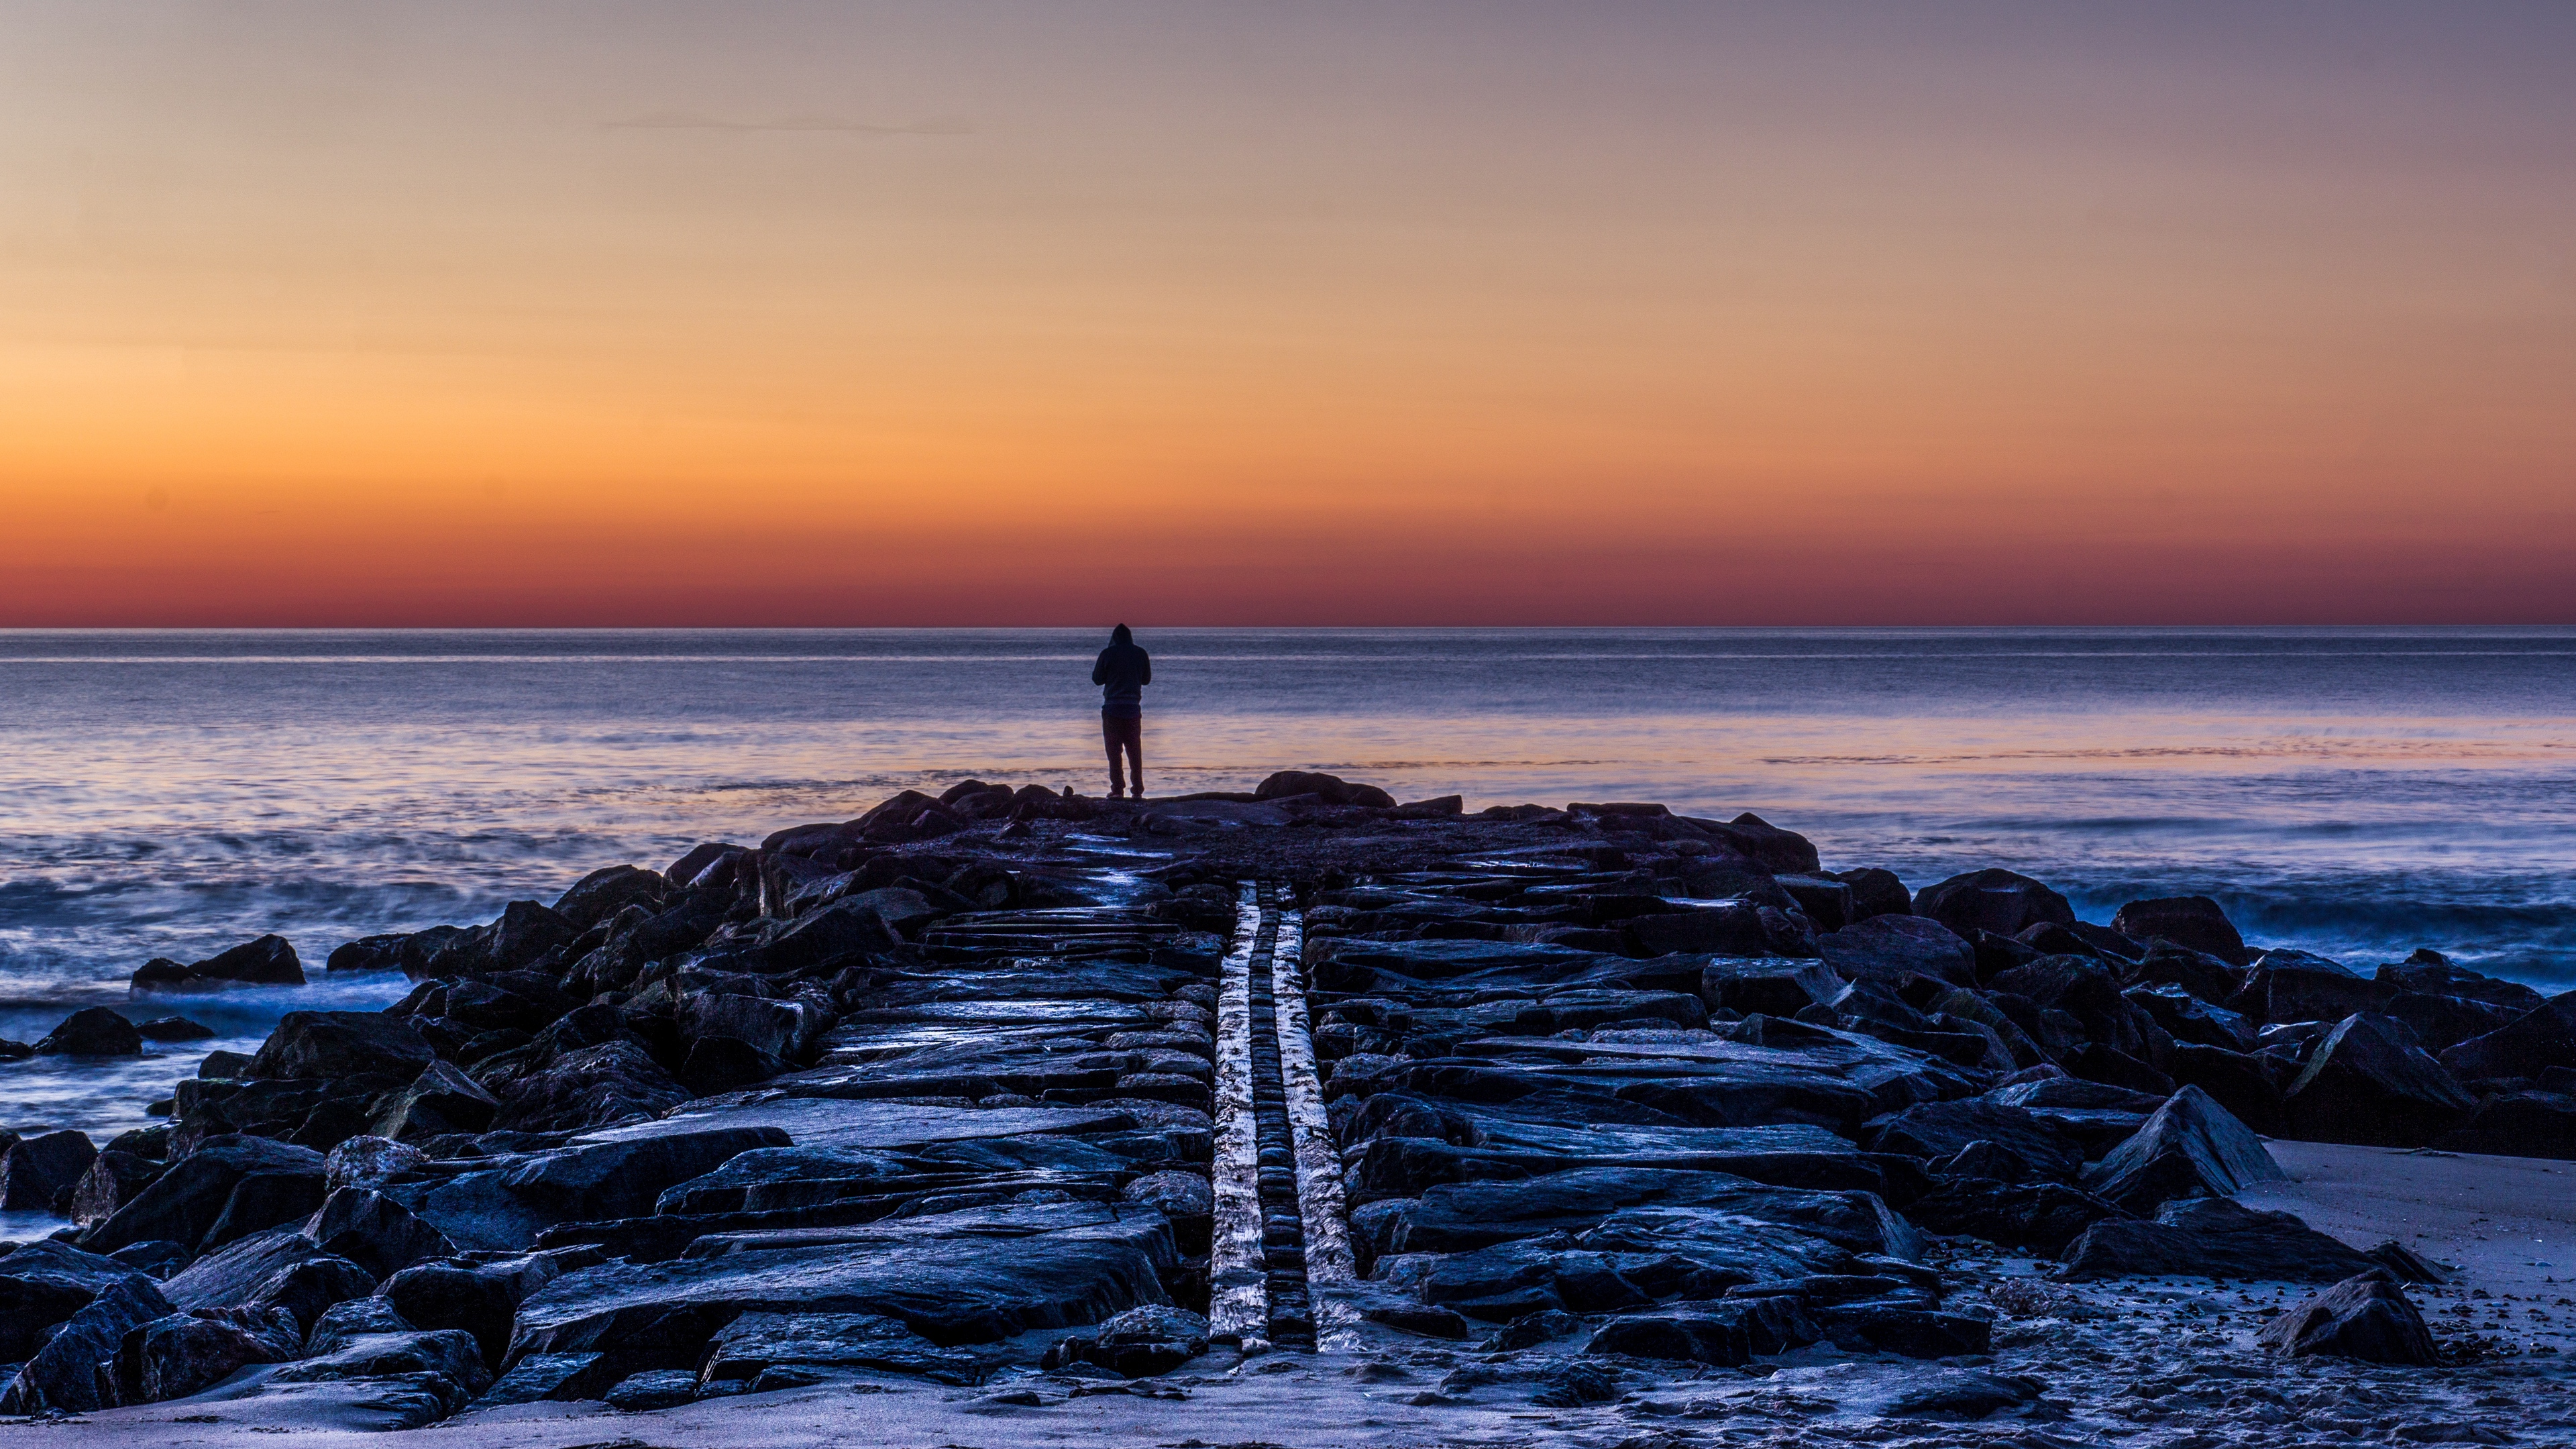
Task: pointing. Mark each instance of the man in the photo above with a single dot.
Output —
(1122, 674)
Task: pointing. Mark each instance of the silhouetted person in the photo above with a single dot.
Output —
(1122, 674)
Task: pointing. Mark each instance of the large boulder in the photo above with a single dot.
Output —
(2195, 922)
(622, 1178)
(2286, 986)
(525, 932)
(1333, 790)
(44, 1283)
(374, 1231)
(1782, 852)
(2191, 1147)
(947, 1277)
(2518, 1124)
(1891, 947)
(2366, 1317)
(1876, 892)
(71, 1373)
(2530, 1045)
(92, 1031)
(2366, 1083)
(603, 893)
(846, 931)
(2000, 901)
(2210, 1237)
(186, 1202)
(173, 1357)
(1722, 928)
(440, 1101)
(783, 1029)
(1142, 1342)
(1943, 1129)
(114, 1179)
(482, 1300)
(268, 961)
(615, 1081)
(341, 1044)
(2041, 1215)
(40, 1174)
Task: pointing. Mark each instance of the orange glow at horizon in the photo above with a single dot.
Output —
(672, 314)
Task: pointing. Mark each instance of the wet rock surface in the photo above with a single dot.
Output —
(1593, 1111)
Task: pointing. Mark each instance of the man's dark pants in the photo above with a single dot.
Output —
(1126, 733)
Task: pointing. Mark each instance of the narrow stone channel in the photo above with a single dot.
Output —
(1279, 1229)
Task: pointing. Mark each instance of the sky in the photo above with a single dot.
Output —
(989, 312)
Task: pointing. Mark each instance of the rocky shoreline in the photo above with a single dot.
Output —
(1019, 1097)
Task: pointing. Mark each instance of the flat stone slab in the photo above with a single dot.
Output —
(839, 1122)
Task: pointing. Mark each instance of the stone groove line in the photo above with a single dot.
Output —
(1320, 1204)
(1238, 1294)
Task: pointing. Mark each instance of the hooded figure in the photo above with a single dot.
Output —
(1122, 674)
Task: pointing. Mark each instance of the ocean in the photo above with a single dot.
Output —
(2356, 792)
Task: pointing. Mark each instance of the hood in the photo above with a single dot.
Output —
(1120, 635)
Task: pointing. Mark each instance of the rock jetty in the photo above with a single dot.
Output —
(1015, 1092)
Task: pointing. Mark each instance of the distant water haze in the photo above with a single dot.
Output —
(2353, 792)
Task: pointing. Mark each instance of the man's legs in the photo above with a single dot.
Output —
(1112, 733)
(1136, 754)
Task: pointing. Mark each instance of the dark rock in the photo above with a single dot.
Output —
(173, 1028)
(370, 1162)
(720, 1064)
(1333, 790)
(552, 1377)
(68, 1373)
(603, 893)
(447, 1295)
(949, 1289)
(1765, 844)
(1769, 986)
(525, 932)
(2299, 986)
(341, 1044)
(173, 1357)
(2406, 1265)
(2366, 1317)
(1532, 1329)
(1726, 928)
(2236, 1080)
(2191, 1147)
(2193, 922)
(2365, 1083)
(842, 932)
(2210, 1237)
(2540, 1040)
(1139, 1343)
(2203, 975)
(2518, 1124)
(184, 1202)
(439, 1101)
(158, 1259)
(653, 1389)
(2442, 1022)
(1722, 1333)
(40, 1174)
(2189, 1018)
(2099, 1062)
(44, 1283)
(1942, 1129)
(312, 1287)
(367, 953)
(1463, 1216)
(445, 1362)
(1876, 893)
(1890, 947)
(1992, 900)
(2430, 974)
(785, 1030)
(223, 1066)
(268, 961)
(92, 1031)
(1903, 1325)
(621, 1179)
(1962, 1396)
(615, 1081)
(375, 1232)
(2043, 1215)
(262, 1200)
(114, 1179)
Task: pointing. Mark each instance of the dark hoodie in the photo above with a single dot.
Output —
(1123, 672)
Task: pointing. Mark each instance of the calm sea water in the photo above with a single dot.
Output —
(2355, 792)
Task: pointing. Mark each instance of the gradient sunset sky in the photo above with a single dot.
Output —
(628, 313)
